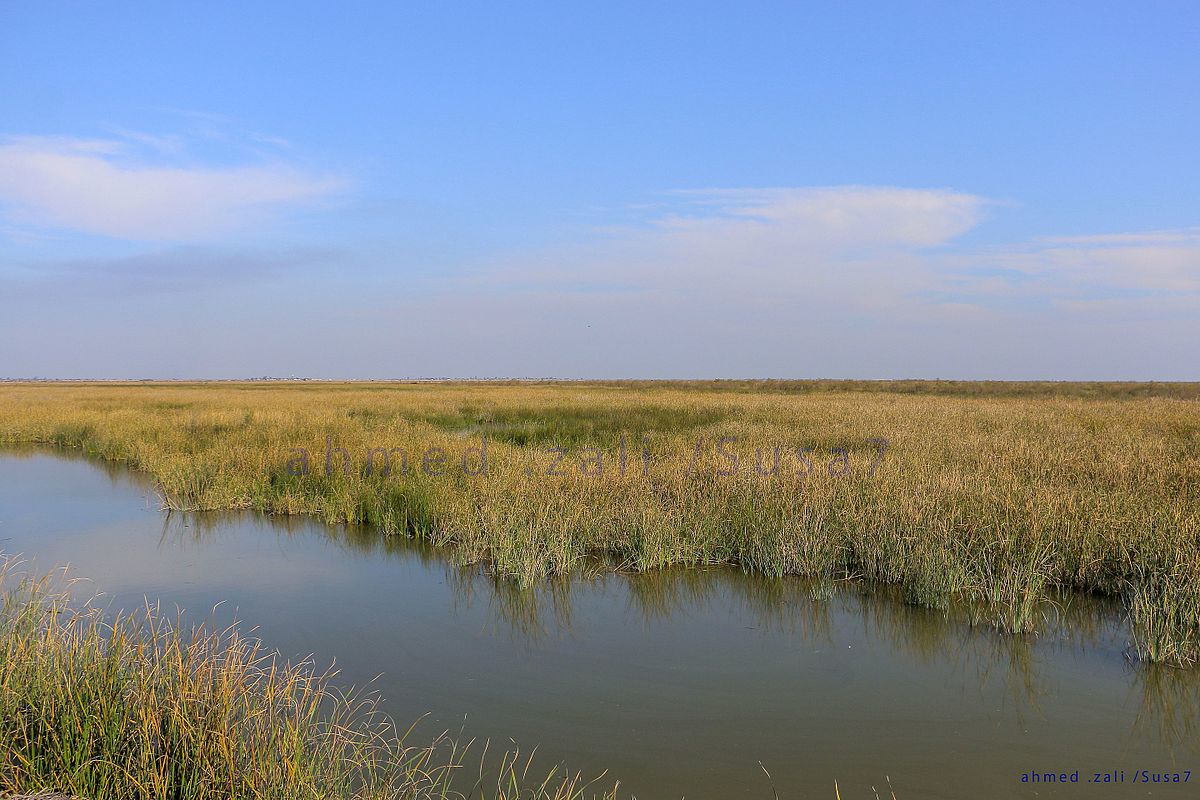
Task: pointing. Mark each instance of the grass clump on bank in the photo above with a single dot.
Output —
(137, 707)
(995, 496)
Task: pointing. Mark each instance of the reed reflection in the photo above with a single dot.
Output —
(810, 610)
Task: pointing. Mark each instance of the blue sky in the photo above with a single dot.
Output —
(371, 190)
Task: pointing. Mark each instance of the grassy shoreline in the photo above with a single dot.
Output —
(998, 495)
(144, 706)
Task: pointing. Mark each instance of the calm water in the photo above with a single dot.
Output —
(679, 683)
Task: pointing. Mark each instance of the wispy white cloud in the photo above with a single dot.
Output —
(858, 245)
(108, 188)
(170, 144)
(869, 250)
(1119, 269)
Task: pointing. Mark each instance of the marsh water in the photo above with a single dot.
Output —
(680, 683)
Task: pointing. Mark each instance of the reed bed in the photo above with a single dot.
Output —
(992, 497)
(141, 707)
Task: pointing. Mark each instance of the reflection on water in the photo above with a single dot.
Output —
(678, 681)
(1170, 706)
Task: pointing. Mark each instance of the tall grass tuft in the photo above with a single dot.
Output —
(1164, 609)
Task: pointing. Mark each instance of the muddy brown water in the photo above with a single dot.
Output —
(680, 683)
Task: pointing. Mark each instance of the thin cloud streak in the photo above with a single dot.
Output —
(186, 270)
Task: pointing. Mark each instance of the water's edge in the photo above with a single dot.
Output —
(679, 681)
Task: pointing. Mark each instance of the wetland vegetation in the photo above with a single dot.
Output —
(992, 496)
